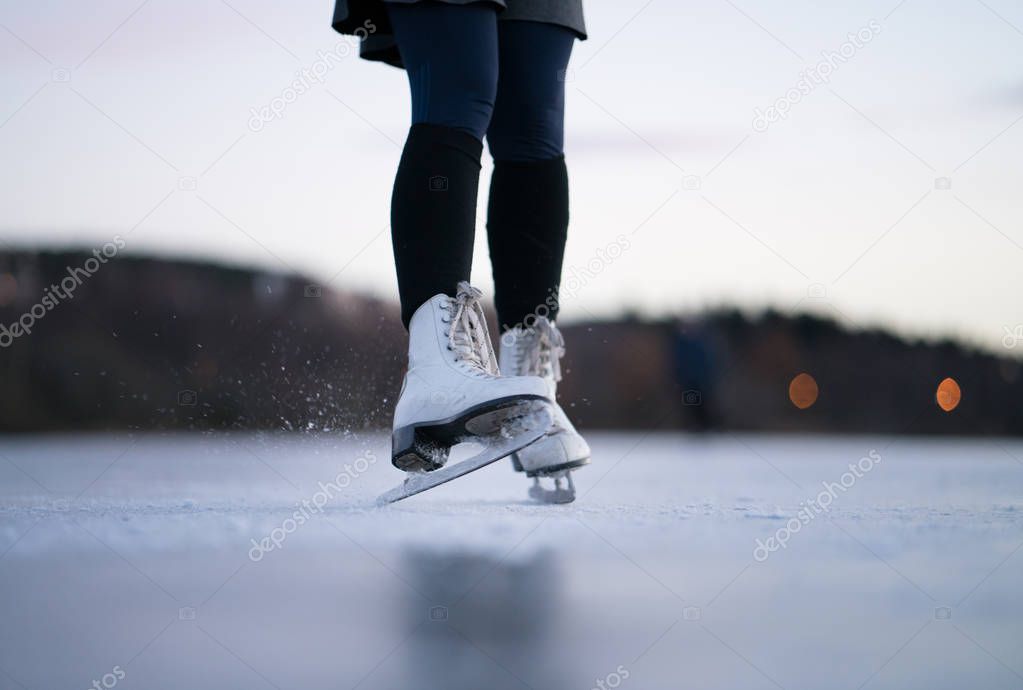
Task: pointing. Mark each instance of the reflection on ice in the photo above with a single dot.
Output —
(485, 617)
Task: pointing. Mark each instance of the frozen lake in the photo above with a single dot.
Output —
(732, 561)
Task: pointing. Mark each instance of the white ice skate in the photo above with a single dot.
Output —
(452, 393)
(537, 351)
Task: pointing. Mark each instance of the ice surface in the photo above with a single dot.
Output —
(191, 561)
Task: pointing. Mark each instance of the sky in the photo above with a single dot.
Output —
(886, 194)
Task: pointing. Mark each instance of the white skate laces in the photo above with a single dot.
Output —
(541, 353)
(468, 335)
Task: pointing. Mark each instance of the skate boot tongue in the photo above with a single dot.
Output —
(468, 336)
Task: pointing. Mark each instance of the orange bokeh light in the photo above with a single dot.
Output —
(803, 391)
(948, 394)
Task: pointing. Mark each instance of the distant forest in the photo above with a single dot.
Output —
(163, 344)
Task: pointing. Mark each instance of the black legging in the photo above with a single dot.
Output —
(472, 76)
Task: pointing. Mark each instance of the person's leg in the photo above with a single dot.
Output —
(450, 53)
(527, 223)
(527, 215)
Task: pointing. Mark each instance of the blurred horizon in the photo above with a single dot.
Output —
(810, 306)
(886, 197)
(148, 343)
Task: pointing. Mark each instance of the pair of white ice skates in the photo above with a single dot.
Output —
(455, 391)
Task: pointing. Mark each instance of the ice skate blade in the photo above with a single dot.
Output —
(513, 435)
(559, 494)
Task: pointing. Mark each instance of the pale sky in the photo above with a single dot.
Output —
(110, 110)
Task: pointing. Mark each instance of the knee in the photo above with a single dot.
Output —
(477, 87)
(459, 96)
(527, 135)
